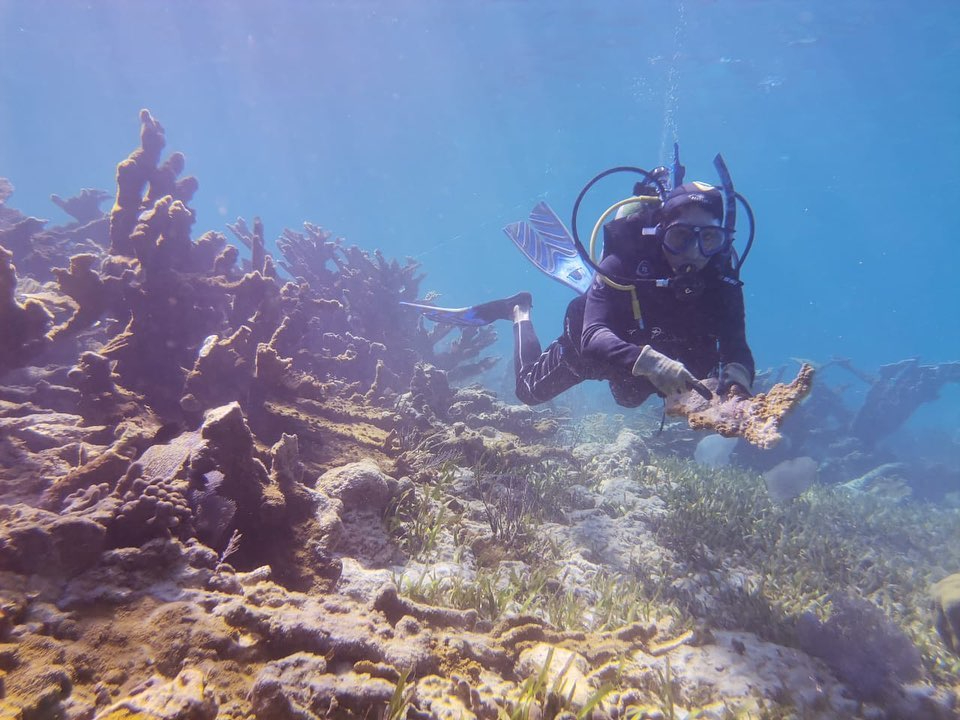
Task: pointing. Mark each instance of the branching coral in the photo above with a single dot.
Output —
(132, 177)
(370, 288)
(254, 242)
(901, 388)
(36, 249)
(85, 207)
(19, 237)
(24, 324)
(101, 399)
(93, 293)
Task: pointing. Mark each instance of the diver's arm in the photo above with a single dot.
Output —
(733, 333)
(608, 311)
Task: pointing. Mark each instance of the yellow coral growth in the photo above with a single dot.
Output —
(124, 713)
(756, 419)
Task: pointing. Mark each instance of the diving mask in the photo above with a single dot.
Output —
(710, 239)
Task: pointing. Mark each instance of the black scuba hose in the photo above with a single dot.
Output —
(746, 250)
(584, 253)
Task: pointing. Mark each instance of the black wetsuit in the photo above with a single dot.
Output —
(602, 338)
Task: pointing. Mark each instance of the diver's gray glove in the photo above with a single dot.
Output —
(734, 375)
(668, 376)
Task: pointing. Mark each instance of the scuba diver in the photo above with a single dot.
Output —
(661, 310)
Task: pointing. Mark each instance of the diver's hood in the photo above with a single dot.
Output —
(692, 194)
(667, 200)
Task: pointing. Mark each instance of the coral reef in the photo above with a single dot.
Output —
(862, 646)
(899, 390)
(24, 325)
(946, 600)
(38, 249)
(857, 443)
(85, 207)
(227, 494)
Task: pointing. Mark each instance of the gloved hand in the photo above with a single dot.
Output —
(668, 376)
(734, 375)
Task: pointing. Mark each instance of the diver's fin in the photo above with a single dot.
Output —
(548, 245)
(475, 315)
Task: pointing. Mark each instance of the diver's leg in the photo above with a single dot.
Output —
(526, 345)
(541, 376)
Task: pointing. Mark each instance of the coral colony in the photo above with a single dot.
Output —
(260, 488)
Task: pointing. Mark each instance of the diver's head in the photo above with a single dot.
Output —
(691, 226)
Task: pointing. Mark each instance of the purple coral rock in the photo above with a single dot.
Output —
(37, 541)
(360, 485)
(862, 646)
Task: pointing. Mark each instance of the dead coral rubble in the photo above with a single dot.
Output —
(334, 655)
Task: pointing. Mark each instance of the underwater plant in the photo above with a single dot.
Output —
(803, 552)
(419, 513)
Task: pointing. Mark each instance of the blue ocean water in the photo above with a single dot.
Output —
(421, 128)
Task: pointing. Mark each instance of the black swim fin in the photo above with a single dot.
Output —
(474, 315)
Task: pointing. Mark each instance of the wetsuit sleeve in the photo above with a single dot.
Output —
(733, 333)
(607, 318)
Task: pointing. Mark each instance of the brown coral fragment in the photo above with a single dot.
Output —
(395, 607)
(19, 237)
(756, 419)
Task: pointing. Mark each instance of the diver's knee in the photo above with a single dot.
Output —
(525, 394)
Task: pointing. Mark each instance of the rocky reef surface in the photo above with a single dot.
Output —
(236, 488)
